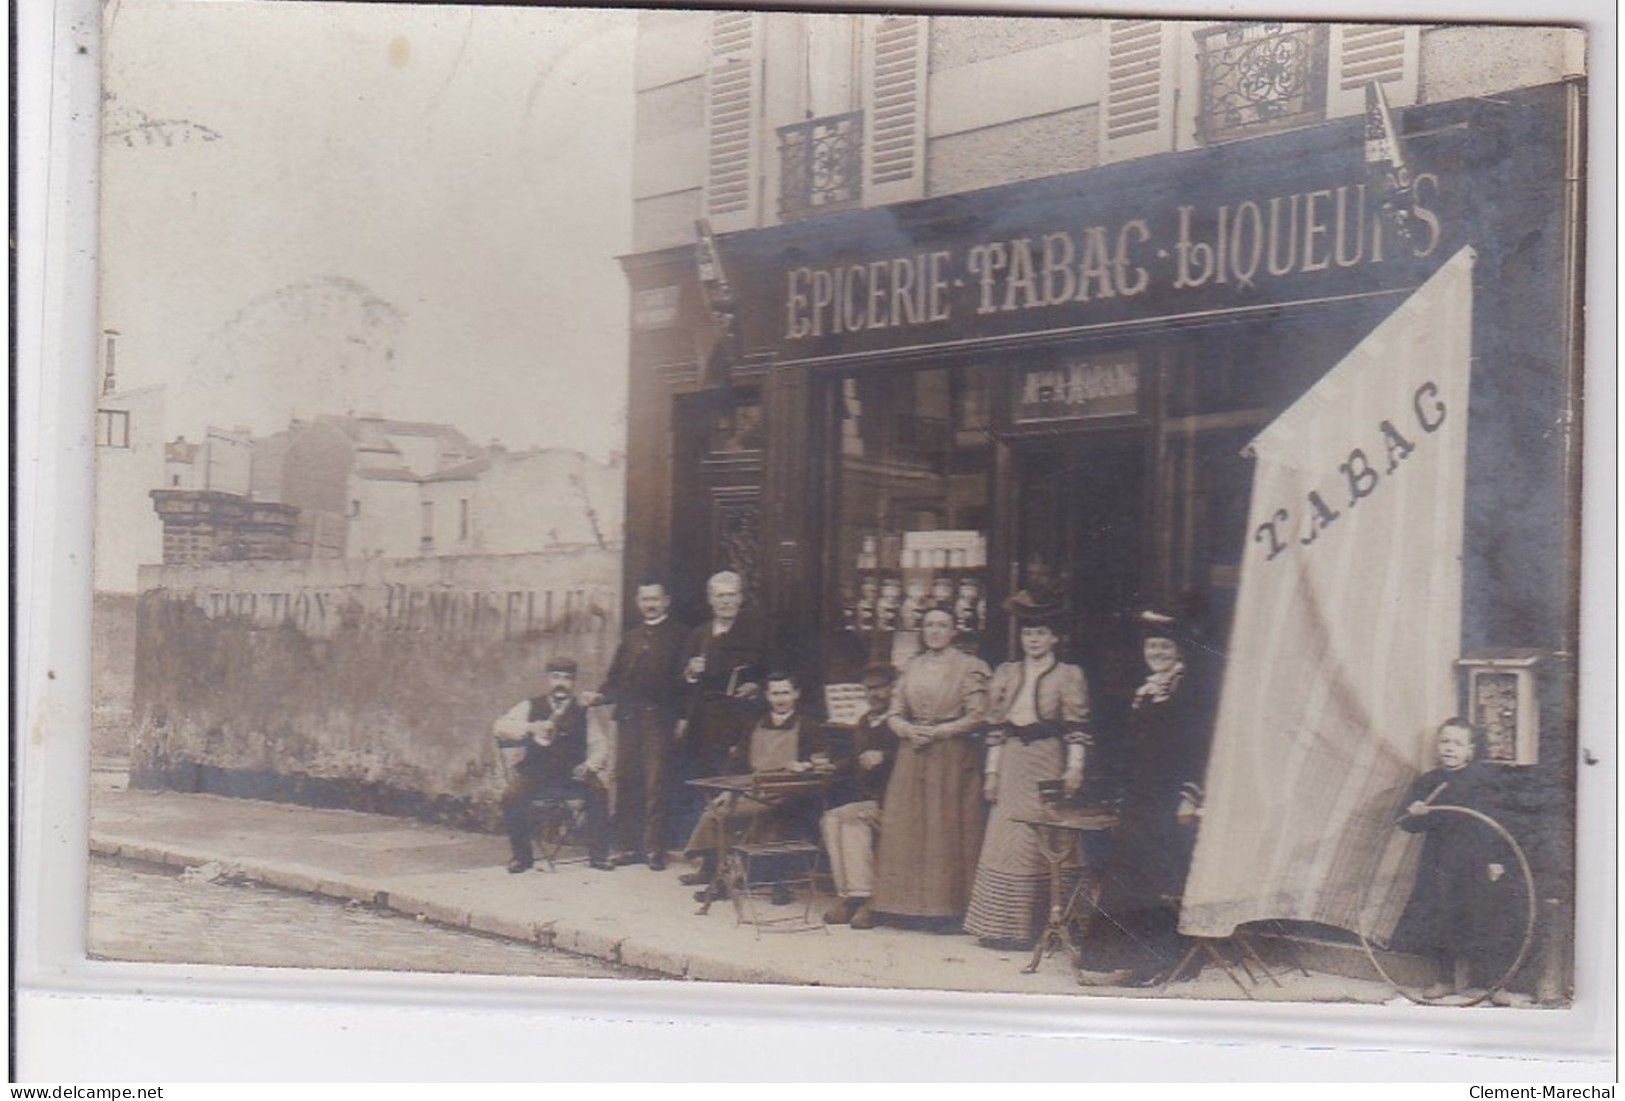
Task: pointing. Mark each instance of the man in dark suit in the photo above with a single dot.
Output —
(547, 738)
(645, 686)
(723, 663)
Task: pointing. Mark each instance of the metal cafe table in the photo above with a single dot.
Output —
(774, 789)
(1060, 831)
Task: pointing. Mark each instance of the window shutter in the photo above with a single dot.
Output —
(894, 98)
(1384, 52)
(1136, 113)
(733, 98)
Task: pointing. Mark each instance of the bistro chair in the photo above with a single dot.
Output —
(557, 821)
(753, 868)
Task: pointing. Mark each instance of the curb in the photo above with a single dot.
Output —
(576, 940)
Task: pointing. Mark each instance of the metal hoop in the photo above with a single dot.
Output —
(1529, 914)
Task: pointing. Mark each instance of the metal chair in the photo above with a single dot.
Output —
(787, 864)
(557, 820)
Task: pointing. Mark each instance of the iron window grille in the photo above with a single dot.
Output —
(821, 165)
(1257, 78)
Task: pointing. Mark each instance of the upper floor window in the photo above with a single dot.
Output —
(112, 428)
(821, 165)
(845, 97)
(1260, 77)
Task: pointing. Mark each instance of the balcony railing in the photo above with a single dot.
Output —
(821, 165)
(1257, 78)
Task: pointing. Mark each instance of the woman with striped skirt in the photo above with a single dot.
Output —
(1038, 713)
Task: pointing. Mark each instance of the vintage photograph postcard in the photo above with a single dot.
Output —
(1074, 505)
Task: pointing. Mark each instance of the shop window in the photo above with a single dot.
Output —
(915, 465)
(113, 428)
(1256, 78)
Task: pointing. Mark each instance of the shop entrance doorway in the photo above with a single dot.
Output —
(1083, 529)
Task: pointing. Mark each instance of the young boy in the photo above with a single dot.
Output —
(781, 741)
(852, 829)
(545, 740)
(1464, 895)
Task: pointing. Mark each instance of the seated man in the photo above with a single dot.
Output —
(852, 829)
(544, 739)
(782, 741)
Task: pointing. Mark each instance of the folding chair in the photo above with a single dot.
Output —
(557, 820)
(791, 864)
(788, 864)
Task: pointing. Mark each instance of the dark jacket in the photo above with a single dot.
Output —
(718, 722)
(857, 785)
(647, 671)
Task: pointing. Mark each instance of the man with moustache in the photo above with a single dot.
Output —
(548, 736)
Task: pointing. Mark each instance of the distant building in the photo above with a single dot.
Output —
(205, 525)
(312, 464)
(499, 503)
(221, 462)
(130, 460)
(342, 486)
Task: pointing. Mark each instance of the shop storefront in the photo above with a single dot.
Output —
(1052, 383)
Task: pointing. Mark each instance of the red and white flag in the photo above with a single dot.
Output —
(1348, 622)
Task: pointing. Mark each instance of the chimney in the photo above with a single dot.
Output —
(110, 374)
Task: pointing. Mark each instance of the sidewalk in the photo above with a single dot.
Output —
(632, 916)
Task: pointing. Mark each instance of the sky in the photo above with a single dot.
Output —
(380, 209)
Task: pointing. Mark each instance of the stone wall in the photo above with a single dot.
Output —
(367, 684)
(112, 673)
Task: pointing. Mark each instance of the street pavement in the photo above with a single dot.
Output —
(632, 917)
(141, 913)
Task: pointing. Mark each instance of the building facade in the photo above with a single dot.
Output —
(981, 304)
(966, 297)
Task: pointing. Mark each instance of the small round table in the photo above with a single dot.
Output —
(1060, 830)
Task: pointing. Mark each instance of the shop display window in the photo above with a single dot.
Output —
(915, 474)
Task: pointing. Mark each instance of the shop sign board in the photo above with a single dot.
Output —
(654, 308)
(1078, 388)
(1295, 219)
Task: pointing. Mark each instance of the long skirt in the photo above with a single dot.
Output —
(1011, 892)
(930, 831)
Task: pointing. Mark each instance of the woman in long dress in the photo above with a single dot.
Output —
(931, 829)
(1144, 877)
(1038, 716)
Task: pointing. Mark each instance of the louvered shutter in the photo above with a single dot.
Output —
(1136, 111)
(894, 99)
(733, 98)
(1384, 52)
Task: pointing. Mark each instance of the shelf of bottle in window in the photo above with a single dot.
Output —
(897, 584)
